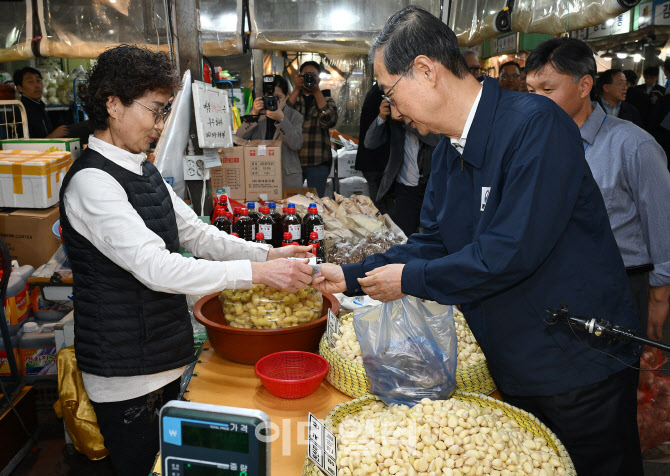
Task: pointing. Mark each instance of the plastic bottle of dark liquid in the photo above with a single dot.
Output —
(261, 239)
(254, 216)
(288, 240)
(220, 209)
(277, 230)
(317, 247)
(266, 225)
(292, 224)
(244, 226)
(312, 222)
(222, 222)
(236, 214)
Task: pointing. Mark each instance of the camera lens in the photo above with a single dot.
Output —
(309, 80)
(270, 103)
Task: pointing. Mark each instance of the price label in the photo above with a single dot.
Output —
(333, 327)
(211, 158)
(322, 446)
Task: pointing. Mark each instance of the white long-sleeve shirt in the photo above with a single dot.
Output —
(98, 209)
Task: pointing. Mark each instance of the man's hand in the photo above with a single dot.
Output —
(330, 279)
(277, 115)
(383, 284)
(58, 132)
(257, 107)
(290, 252)
(299, 81)
(289, 275)
(384, 109)
(658, 311)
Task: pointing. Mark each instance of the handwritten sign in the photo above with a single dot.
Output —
(213, 116)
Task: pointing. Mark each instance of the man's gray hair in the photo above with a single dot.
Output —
(412, 32)
(470, 52)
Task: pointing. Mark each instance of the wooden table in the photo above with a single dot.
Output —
(219, 381)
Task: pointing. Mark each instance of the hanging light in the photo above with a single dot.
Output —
(637, 58)
(621, 55)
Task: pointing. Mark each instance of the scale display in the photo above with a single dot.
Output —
(211, 440)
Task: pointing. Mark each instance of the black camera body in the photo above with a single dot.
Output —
(309, 80)
(270, 103)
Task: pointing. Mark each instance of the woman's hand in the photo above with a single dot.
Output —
(290, 275)
(257, 107)
(290, 252)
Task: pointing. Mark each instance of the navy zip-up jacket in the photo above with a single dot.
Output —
(515, 226)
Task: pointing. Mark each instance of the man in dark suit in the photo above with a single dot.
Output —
(372, 162)
(651, 86)
(612, 88)
(408, 166)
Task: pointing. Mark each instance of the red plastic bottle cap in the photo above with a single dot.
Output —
(284, 210)
(244, 211)
(314, 235)
(235, 234)
(260, 236)
(228, 215)
(288, 236)
(237, 209)
(313, 210)
(264, 209)
(290, 211)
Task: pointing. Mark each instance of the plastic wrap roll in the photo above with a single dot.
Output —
(172, 143)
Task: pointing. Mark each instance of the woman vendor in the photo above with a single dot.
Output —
(123, 227)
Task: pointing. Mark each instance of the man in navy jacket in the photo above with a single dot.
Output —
(514, 224)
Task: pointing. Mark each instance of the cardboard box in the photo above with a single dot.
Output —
(30, 179)
(73, 146)
(230, 175)
(28, 234)
(262, 164)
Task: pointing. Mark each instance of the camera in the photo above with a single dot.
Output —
(309, 80)
(270, 103)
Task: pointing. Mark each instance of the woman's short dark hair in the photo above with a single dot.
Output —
(412, 32)
(281, 83)
(566, 55)
(20, 73)
(128, 72)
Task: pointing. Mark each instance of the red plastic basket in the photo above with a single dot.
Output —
(291, 374)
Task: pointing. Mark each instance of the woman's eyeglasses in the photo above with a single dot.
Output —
(161, 114)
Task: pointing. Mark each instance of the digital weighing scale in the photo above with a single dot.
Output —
(211, 440)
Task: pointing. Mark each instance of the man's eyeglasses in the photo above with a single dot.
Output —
(161, 114)
(506, 76)
(386, 95)
(476, 70)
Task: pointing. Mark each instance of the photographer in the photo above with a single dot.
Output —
(270, 119)
(320, 113)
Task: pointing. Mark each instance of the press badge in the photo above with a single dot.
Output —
(485, 197)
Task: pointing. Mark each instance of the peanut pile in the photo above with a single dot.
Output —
(443, 437)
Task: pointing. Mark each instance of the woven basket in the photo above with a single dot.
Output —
(349, 377)
(523, 418)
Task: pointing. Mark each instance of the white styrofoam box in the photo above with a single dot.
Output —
(346, 161)
(73, 146)
(30, 179)
(354, 186)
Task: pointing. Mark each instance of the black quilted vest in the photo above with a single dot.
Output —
(122, 327)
